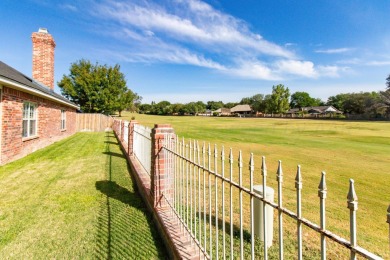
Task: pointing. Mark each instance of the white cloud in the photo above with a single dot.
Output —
(362, 62)
(295, 67)
(69, 7)
(307, 69)
(149, 33)
(334, 51)
(159, 51)
(253, 70)
(191, 32)
(191, 22)
(353, 61)
(378, 63)
(330, 71)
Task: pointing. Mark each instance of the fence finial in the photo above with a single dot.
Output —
(251, 163)
(322, 187)
(223, 153)
(298, 178)
(279, 172)
(240, 159)
(352, 198)
(263, 167)
(215, 151)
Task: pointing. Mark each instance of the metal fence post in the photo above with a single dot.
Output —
(322, 194)
(161, 184)
(298, 187)
(353, 206)
(279, 178)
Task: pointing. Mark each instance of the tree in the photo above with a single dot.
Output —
(214, 105)
(279, 100)
(231, 104)
(145, 108)
(303, 99)
(337, 101)
(363, 103)
(177, 108)
(388, 82)
(161, 108)
(126, 100)
(385, 100)
(256, 102)
(96, 88)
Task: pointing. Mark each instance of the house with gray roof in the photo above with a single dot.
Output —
(314, 111)
(32, 114)
(241, 110)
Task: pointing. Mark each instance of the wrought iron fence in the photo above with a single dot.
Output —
(210, 203)
(218, 207)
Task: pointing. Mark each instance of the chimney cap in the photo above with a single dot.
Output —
(43, 30)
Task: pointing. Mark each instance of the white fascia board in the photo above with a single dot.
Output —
(24, 88)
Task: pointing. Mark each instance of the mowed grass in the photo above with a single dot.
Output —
(74, 200)
(343, 149)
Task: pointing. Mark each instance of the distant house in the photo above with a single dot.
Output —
(314, 111)
(222, 112)
(241, 110)
(32, 114)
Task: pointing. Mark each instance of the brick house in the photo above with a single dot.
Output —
(32, 114)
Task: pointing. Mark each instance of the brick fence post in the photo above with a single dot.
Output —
(118, 129)
(130, 148)
(122, 130)
(114, 126)
(162, 168)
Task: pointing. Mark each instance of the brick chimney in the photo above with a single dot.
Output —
(43, 57)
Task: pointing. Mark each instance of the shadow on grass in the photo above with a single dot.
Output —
(110, 142)
(125, 229)
(112, 190)
(114, 154)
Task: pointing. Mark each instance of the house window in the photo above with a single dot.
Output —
(63, 120)
(29, 119)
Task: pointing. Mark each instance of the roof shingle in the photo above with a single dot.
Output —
(16, 76)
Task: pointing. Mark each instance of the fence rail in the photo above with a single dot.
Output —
(226, 215)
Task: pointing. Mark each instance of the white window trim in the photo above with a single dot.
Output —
(35, 117)
(63, 120)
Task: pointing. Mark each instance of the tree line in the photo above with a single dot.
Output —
(371, 104)
(103, 89)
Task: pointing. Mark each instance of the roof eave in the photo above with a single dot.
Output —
(16, 85)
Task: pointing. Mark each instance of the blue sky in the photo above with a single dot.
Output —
(190, 50)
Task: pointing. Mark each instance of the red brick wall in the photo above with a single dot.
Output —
(13, 146)
(43, 58)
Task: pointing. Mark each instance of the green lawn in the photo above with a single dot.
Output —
(74, 200)
(344, 149)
